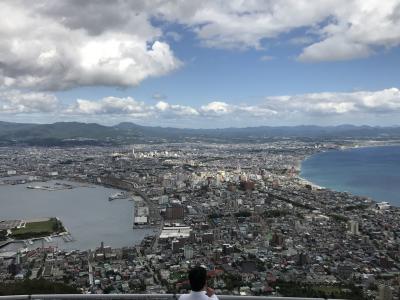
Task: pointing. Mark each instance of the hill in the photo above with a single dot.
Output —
(75, 133)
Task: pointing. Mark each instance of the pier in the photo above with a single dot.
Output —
(154, 217)
(67, 238)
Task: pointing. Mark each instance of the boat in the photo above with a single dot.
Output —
(34, 187)
(119, 195)
(39, 187)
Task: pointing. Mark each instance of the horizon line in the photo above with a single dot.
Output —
(202, 128)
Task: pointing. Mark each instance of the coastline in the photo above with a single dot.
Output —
(30, 240)
(342, 148)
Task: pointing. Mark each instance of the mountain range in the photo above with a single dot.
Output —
(75, 133)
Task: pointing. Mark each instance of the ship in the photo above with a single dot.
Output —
(33, 187)
(119, 195)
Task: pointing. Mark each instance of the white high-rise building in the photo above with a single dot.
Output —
(188, 252)
(353, 227)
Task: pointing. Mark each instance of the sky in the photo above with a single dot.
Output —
(201, 64)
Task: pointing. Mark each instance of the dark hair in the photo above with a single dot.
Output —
(197, 278)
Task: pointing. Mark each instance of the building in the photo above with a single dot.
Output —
(247, 185)
(174, 212)
(188, 252)
(142, 220)
(353, 227)
(385, 292)
(175, 232)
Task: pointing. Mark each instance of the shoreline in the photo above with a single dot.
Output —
(341, 148)
(30, 240)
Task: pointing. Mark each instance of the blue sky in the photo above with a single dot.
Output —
(242, 76)
(213, 64)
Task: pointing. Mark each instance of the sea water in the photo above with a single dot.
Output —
(371, 171)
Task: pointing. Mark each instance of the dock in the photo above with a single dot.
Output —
(67, 238)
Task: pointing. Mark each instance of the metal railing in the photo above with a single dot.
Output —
(140, 297)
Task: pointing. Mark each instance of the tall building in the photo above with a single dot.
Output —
(174, 212)
(353, 227)
(188, 252)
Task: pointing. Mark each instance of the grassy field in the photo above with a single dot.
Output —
(38, 229)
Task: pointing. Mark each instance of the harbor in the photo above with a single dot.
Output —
(85, 211)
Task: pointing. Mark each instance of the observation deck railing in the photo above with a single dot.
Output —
(140, 297)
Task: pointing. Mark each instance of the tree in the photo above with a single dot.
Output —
(3, 234)
(36, 286)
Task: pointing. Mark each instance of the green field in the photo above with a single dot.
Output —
(38, 229)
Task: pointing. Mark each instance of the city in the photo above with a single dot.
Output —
(199, 150)
(241, 210)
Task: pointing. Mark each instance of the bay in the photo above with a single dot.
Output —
(369, 171)
(84, 210)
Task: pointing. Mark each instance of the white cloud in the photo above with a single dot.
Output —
(367, 102)
(289, 109)
(267, 58)
(110, 106)
(162, 106)
(217, 108)
(356, 30)
(258, 111)
(57, 45)
(53, 45)
(183, 110)
(302, 106)
(243, 24)
(335, 48)
(337, 29)
(173, 110)
(16, 102)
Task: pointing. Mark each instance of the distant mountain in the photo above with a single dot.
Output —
(53, 134)
(75, 133)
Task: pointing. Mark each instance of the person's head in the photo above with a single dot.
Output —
(197, 278)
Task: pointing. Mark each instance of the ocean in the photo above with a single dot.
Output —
(371, 171)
